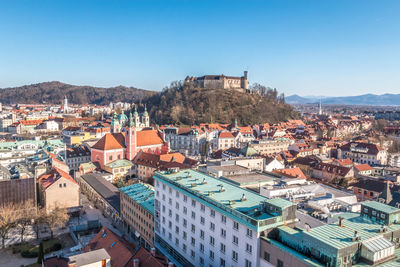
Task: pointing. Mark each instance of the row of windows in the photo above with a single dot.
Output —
(222, 248)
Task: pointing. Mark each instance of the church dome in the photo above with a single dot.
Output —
(122, 118)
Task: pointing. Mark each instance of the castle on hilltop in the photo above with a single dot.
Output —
(219, 82)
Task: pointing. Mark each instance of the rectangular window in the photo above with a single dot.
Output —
(201, 234)
(184, 222)
(212, 213)
(202, 220)
(192, 254)
(235, 225)
(177, 241)
(249, 248)
(193, 215)
(223, 233)
(177, 205)
(266, 256)
(235, 256)
(248, 263)
(211, 255)
(279, 263)
(249, 233)
(193, 203)
(184, 247)
(184, 198)
(193, 228)
(212, 241)
(193, 241)
(223, 218)
(201, 247)
(177, 229)
(235, 240)
(223, 248)
(212, 226)
(184, 210)
(222, 262)
(176, 217)
(202, 208)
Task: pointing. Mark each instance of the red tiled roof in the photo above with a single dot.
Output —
(147, 260)
(225, 135)
(148, 138)
(118, 248)
(290, 173)
(50, 178)
(110, 141)
(363, 167)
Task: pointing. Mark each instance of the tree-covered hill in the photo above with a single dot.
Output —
(54, 92)
(187, 105)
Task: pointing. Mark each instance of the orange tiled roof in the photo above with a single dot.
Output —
(363, 167)
(291, 173)
(118, 248)
(50, 178)
(110, 141)
(225, 135)
(148, 138)
(148, 260)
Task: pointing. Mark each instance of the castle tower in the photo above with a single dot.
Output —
(146, 118)
(244, 82)
(130, 139)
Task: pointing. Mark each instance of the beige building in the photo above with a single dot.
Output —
(219, 82)
(119, 168)
(271, 146)
(137, 212)
(58, 189)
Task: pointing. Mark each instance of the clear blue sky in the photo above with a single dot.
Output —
(305, 47)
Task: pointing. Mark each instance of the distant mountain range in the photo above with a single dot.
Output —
(367, 99)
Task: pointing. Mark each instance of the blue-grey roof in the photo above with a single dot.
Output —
(142, 194)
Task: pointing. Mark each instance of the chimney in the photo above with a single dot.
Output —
(243, 198)
(136, 263)
(153, 252)
(341, 221)
(245, 73)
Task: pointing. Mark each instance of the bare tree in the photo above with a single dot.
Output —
(58, 217)
(38, 218)
(7, 221)
(25, 214)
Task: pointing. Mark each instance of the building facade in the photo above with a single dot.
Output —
(137, 212)
(219, 82)
(204, 221)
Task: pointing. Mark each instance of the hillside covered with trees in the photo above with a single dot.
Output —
(187, 105)
(54, 92)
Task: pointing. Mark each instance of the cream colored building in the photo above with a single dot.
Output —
(58, 189)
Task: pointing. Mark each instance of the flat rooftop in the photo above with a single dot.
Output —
(228, 200)
(248, 178)
(380, 206)
(229, 168)
(142, 194)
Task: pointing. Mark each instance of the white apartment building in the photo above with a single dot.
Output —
(203, 221)
(363, 153)
(185, 140)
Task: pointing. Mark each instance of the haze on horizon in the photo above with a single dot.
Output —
(328, 48)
